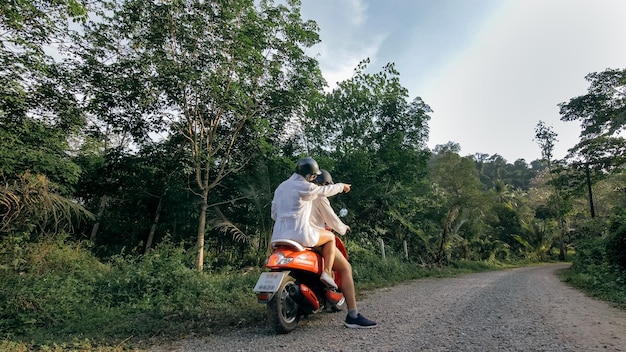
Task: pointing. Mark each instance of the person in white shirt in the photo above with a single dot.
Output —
(323, 216)
(291, 212)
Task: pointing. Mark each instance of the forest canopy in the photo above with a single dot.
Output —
(175, 121)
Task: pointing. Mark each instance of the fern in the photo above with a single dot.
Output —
(30, 200)
(221, 223)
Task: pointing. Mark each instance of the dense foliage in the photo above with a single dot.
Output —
(140, 145)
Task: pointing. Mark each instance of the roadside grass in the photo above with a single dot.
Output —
(58, 297)
(604, 282)
(599, 267)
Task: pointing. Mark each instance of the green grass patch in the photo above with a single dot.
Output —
(393, 271)
(55, 296)
(604, 282)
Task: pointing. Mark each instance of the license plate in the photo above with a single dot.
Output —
(269, 281)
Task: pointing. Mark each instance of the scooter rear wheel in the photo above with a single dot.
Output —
(282, 311)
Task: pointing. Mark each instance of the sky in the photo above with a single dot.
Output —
(489, 69)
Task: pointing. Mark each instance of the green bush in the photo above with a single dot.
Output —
(590, 253)
(46, 284)
(371, 271)
(603, 281)
(599, 264)
(57, 292)
(57, 296)
(615, 246)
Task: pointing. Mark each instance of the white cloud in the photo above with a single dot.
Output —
(490, 69)
(531, 57)
(343, 43)
(357, 12)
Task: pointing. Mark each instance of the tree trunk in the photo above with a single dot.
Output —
(155, 222)
(444, 237)
(96, 227)
(561, 242)
(201, 229)
(589, 190)
(446, 232)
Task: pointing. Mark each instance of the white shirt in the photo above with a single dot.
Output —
(291, 209)
(323, 215)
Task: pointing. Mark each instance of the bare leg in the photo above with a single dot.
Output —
(327, 241)
(353, 319)
(347, 282)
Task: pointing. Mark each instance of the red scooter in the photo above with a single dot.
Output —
(292, 288)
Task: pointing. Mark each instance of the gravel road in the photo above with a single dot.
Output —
(524, 309)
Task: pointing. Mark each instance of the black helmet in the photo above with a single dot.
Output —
(324, 178)
(306, 167)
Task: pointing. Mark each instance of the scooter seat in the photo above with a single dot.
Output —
(288, 243)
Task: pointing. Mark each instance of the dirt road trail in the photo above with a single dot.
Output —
(524, 309)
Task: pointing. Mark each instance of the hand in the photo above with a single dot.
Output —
(346, 187)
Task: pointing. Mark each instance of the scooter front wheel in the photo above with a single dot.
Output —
(282, 310)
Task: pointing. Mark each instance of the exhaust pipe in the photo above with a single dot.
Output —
(304, 296)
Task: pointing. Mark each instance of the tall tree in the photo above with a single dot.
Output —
(456, 187)
(37, 111)
(602, 115)
(371, 135)
(546, 138)
(123, 112)
(219, 69)
(366, 112)
(601, 150)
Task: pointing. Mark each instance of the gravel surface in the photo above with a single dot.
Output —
(525, 309)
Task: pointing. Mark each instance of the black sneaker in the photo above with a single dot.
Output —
(360, 322)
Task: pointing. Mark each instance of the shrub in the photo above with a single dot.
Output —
(44, 284)
(615, 246)
(58, 291)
